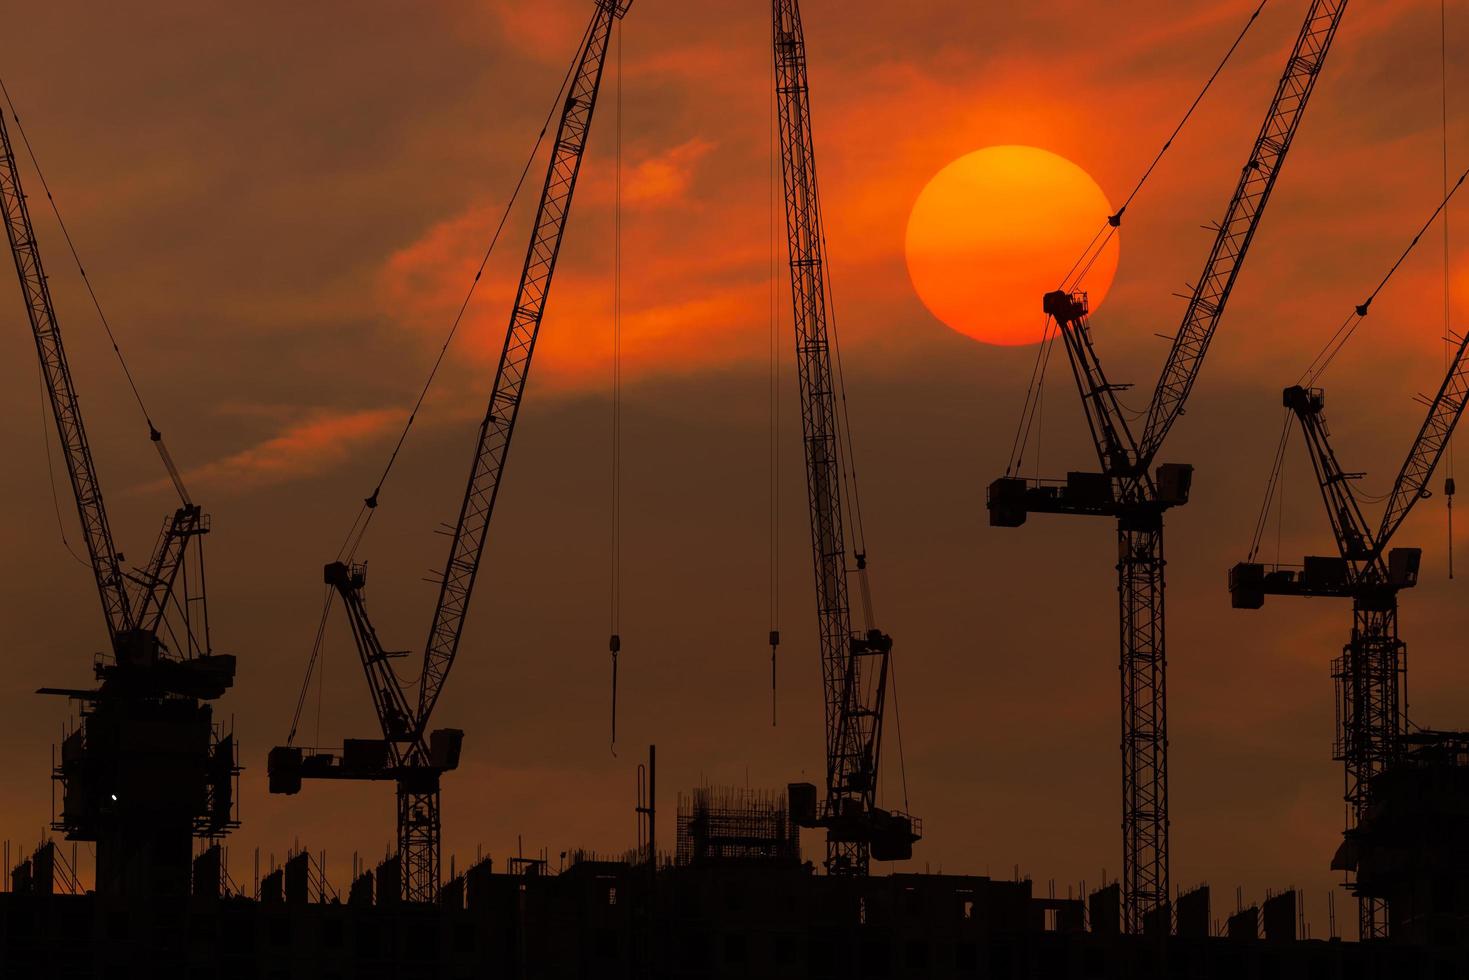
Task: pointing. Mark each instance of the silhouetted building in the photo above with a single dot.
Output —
(1412, 846)
(712, 919)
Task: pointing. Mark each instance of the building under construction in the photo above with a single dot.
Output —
(150, 776)
(736, 900)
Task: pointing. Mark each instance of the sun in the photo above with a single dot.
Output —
(997, 229)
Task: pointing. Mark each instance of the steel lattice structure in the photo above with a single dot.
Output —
(415, 758)
(854, 664)
(65, 408)
(1370, 674)
(1128, 489)
(1237, 229)
(515, 359)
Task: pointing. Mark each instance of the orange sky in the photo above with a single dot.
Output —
(281, 207)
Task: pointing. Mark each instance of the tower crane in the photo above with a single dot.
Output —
(854, 663)
(1130, 491)
(1371, 717)
(147, 770)
(408, 754)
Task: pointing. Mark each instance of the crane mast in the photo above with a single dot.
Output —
(854, 664)
(410, 755)
(1129, 489)
(1370, 673)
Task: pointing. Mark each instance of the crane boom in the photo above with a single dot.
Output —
(515, 359)
(854, 665)
(1427, 448)
(1241, 219)
(65, 408)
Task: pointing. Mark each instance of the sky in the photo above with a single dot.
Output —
(281, 207)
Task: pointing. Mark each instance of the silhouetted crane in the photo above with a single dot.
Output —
(408, 754)
(146, 770)
(854, 663)
(1128, 490)
(1370, 719)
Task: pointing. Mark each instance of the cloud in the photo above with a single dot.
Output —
(301, 449)
(696, 294)
(665, 178)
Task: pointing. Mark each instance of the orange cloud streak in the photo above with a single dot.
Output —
(302, 449)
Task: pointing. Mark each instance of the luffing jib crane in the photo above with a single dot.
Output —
(408, 754)
(1371, 716)
(1129, 490)
(147, 770)
(854, 663)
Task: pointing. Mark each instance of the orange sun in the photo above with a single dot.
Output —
(997, 229)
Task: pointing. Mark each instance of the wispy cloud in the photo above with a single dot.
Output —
(301, 449)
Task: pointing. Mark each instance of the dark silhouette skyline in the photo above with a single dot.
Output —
(281, 325)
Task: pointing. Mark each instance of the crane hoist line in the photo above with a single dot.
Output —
(854, 663)
(1129, 489)
(408, 754)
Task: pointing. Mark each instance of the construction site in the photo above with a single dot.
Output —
(207, 781)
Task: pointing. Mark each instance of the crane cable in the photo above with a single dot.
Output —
(1033, 394)
(316, 650)
(154, 435)
(1084, 264)
(51, 471)
(614, 642)
(846, 455)
(1443, 56)
(358, 531)
(1354, 319)
(852, 501)
(359, 527)
(774, 406)
(1098, 244)
(1272, 485)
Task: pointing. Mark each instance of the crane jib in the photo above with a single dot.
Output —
(1241, 220)
(66, 410)
(468, 540)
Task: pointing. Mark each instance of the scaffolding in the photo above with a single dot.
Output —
(728, 825)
